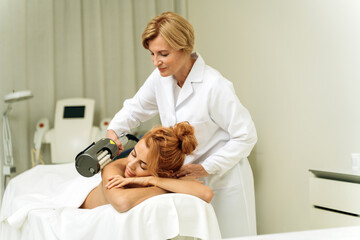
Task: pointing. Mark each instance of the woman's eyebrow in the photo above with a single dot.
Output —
(161, 51)
(140, 159)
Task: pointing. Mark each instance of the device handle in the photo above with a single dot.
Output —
(125, 137)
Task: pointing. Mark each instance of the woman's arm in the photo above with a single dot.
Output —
(192, 187)
(137, 109)
(123, 199)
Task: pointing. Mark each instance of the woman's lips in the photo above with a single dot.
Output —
(129, 173)
(162, 69)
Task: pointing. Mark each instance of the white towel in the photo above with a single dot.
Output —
(45, 187)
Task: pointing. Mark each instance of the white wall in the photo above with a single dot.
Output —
(296, 67)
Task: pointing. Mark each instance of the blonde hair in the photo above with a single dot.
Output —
(175, 29)
(168, 147)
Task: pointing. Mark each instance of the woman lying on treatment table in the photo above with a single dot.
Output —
(148, 170)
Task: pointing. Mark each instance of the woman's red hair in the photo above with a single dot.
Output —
(168, 147)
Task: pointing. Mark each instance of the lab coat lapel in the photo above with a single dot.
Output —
(168, 85)
(195, 75)
(185, 92)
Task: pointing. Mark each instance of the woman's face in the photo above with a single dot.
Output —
(168, 60)
(137, 165)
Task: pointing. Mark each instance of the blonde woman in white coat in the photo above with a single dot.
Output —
(184, 88)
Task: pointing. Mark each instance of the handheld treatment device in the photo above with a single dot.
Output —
(96, 156)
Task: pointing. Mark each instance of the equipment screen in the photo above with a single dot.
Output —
(74, 112)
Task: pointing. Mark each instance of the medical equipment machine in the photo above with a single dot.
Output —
(8, 165)
(73, 130)
(94, 158)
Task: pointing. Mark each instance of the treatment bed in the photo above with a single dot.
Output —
(42, 203)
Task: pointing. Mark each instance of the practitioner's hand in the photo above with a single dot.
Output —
(118, 181)
(191, 170)
(113, 136)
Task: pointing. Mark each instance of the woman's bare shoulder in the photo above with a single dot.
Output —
(118, 164)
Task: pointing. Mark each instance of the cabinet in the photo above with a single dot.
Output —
(334, 199)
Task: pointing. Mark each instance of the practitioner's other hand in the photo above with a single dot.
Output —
(191, 170)
(113, 136)
(118, 181)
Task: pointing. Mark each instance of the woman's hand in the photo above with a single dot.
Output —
(113, 136)
(118, 181)
(191, 170)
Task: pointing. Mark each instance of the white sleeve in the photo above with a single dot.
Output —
(140, 108)
(230, 115)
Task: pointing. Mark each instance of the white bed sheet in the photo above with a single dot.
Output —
(42, 203)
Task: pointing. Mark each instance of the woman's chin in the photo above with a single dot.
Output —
(164, 74)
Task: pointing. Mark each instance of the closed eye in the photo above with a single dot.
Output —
(162, 53)
(143, 165)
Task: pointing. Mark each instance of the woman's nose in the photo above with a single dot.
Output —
(157, 62)
(132, 164)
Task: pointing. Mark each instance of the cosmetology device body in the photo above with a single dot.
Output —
(96, 156)
(73, 130)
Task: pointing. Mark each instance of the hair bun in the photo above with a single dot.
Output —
(187, 140)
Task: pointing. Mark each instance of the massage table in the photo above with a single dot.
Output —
(42, 203)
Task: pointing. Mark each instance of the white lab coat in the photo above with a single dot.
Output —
(223, 128)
